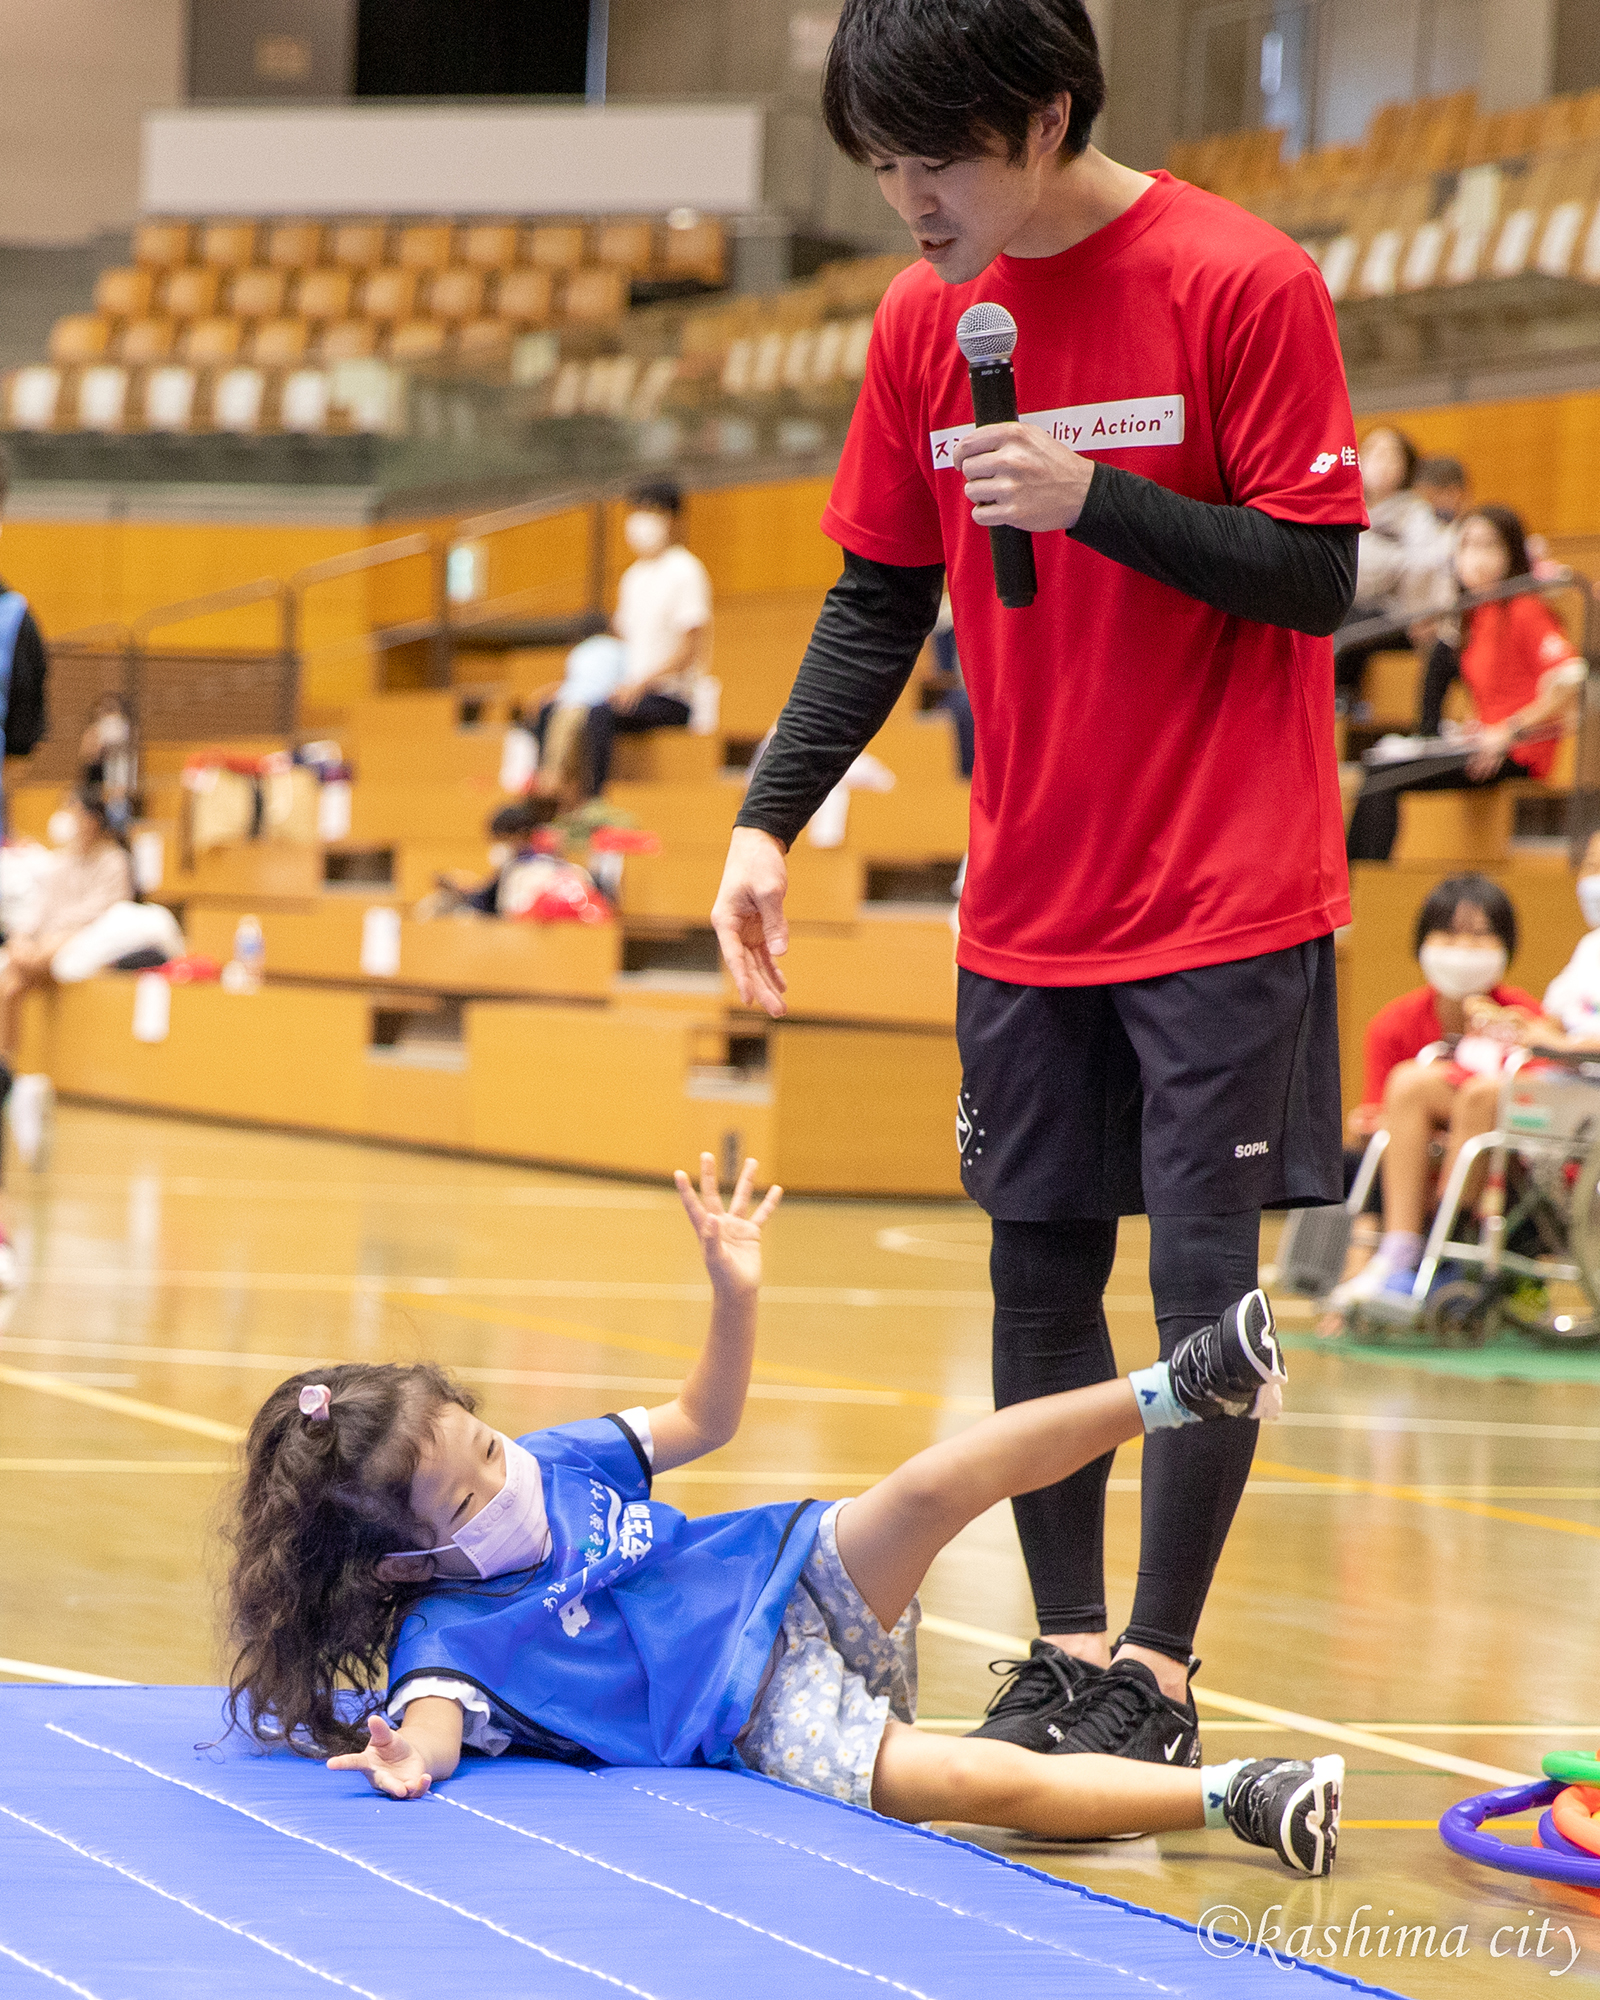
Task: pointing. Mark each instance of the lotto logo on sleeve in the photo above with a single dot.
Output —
(1325, 461)
(1140, 420)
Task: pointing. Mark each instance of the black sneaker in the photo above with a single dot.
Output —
(1291, 1807)
(1233, 1368)
(1031, 1707)
(1125, 1714)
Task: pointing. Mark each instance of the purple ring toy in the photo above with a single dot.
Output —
(1557, 1861)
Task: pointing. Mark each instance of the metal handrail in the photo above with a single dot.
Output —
(259, 591)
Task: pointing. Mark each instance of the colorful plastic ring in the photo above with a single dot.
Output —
(1573, 1817)
(1572, 1767)
(1459, 1830)
(1551, 1836)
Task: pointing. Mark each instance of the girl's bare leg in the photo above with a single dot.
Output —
(889, 1536)
(1476, 1107)
(1417, 1102)
(986, 1783)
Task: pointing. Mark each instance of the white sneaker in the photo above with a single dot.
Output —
(1379, 1282)
(10, 1271)
(30, 1108)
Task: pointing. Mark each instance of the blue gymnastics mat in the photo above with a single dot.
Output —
(136, 1867)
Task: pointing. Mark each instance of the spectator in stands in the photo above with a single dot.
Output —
(90, 874)
(22, 662)
(1572, 999)
(106, 759)
(1402, 572)
(594, 671)
(1522, 670)
(663, 618)
(1443, 483)
(1465, 939)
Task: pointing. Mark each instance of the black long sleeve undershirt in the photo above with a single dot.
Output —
(875, 619)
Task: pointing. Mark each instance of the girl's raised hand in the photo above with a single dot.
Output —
(392, 1765)
(730, 1238)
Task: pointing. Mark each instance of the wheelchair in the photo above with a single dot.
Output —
(1524, 1259)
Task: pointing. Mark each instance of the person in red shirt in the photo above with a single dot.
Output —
(1466, 937)
(1146, 1014)
(1523, 672)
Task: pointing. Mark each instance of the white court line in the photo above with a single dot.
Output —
(354, 1860)
(695, 1902)
(44, 1972)
(1258, 1711)
(917, 1895)
(183, 1902)
(428, 1195)
(30, 1670)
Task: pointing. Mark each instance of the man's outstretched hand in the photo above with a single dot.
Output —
(748, 917)
(392, 1765)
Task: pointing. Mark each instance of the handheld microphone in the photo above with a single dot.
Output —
(987, 335)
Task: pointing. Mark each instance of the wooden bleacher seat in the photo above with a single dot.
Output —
(668, 757)
(556, 246)
(144, 341)
(489, 246)
(694, 247)
(357, 246)
(228, 245)
(294, 246)
(279, 343)
(80, 337)
(695, 813)
(425, 246)
(324, 295)
(679, 885)
(387, 295)
(417, 340)
(190, 292)
(258, 293)
(124, 293)
(211, 342)
(594, 297)
(526, 296)
(484, 340)
(1463, 827)
(628, 246)
(348, 340)
(456, 293)
(159, 245)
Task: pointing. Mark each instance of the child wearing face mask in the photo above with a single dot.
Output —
(533, 1592)
(1465, 939)
(1573, 996)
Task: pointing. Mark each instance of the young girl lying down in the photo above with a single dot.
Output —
(531, 1592)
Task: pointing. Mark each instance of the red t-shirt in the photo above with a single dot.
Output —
(1155, 784)
(1509, 647)
(1406, 1026)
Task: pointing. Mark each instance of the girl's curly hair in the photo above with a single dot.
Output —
(322, 1501)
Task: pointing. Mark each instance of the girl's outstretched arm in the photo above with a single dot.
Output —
(705, 1412)
(404, 1763)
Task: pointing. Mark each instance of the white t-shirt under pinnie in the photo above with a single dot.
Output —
(659, 599)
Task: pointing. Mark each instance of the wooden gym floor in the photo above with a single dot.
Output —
(1416, 1560)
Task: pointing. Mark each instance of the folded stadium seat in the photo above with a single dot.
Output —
(158, 246)
(657, 379)
(387, 295)
(324, 295)
(145, 341)
(239, 401)
(566, 389)
(303, 404)
(357, 246)
(348, 340)
(425, 246)
(80, 337)
(228, 244)
(279, 343)
(625, 246)
(798, 354)
(767, 363)
(525, 297)
(191, 292)
(857, 339)
(258, 292)
(737, 366)
(489, 246)
(1589, 252)
(456, 293)
(693, 246)
(103, 397)
(294, 246)
(417, 340)
(592, 297)
(1560, 236)
(33, 397)
(556, 246)
(607, 384)
(828, 352)
(168, 399)
(124, 293)
(485, 339)
(210, 342)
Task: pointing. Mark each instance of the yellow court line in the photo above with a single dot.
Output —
(1308, 1725)
(122, 1406)
(76, 1465)
(1420, 1496)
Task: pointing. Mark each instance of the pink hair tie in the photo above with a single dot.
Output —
(316, 1402)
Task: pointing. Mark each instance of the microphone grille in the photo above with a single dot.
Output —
(986, 332)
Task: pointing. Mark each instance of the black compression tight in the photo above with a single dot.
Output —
(1050, 1334)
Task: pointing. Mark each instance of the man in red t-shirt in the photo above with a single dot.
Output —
(1146, 1015)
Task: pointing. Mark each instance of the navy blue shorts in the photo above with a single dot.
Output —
(1199, 1093)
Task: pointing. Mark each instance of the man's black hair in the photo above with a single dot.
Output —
(945, 79)
(664, 495)
(1438, 913)
(526, 816)
(1441, 472)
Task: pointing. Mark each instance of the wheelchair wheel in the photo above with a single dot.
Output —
(1461, 1314)
(1584, 1227)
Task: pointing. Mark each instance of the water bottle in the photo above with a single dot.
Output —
(250, 951)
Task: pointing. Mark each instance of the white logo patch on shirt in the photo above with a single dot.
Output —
(1139, 420)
